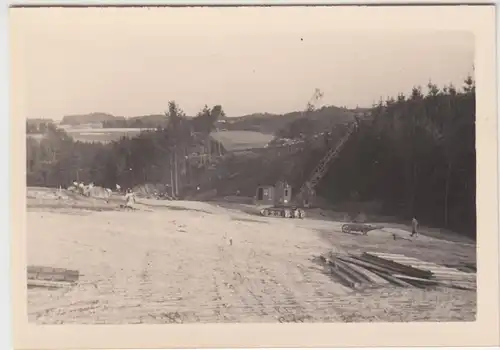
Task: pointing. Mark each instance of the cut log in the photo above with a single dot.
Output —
(365, 264)
(52, 274)
(396, 266)
(410, 279)
(343, 278)
(45, 269)
(396, 281)
(49, 284)
(450, 284)
(372, 277)
(355, 275)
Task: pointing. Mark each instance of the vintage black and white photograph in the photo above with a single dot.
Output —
(231, 165)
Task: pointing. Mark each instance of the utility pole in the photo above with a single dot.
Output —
(176, 183)
(172, 174)
(187, 166)
(209, 149)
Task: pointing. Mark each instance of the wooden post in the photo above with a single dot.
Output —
(176, 175)
(209, 149)
(172, 174)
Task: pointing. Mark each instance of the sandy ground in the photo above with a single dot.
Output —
(178, 262)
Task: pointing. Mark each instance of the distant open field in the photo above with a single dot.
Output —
(102, 135)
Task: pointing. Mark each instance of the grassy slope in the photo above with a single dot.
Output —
(237, 140)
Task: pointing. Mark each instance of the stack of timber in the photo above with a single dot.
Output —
(465, 266)
(50, 277)
(373, 270)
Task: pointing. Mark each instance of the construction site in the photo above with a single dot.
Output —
(247, 239)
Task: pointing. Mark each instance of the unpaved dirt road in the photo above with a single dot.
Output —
(178, 262)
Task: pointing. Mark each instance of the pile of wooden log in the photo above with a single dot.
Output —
(50, 277)
(464, 266)
(372, 270)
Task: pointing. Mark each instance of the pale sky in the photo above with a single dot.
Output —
(132, 61)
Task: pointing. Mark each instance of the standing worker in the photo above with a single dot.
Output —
(130, 199)
(414, 227)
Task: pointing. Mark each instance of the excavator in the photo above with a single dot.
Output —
(278, 200)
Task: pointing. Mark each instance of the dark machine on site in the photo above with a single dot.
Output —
(279, 199)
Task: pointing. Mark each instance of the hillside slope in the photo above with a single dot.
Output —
(96, 117)
(322, 118)
(267, 123)
(239, 140)
(149, 121)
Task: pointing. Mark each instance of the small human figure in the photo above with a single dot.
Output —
(81, 188)
(130, 199)
(414, 227)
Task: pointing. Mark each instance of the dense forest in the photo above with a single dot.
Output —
(414, 154)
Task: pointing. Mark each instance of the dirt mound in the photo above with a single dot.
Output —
(70, 195)
(98, 192)
(41, 193)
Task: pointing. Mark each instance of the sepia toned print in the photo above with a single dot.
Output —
(343, 194)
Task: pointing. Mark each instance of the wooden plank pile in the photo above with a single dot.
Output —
(464, 266)
(50, 277)
(372, 270)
